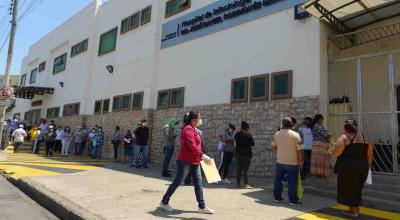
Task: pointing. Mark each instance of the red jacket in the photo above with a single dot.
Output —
(191, 151)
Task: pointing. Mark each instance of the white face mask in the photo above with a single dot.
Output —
(143, 124)
(200, 122)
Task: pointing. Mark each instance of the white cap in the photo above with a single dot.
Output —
(21, 126)
(50, 127)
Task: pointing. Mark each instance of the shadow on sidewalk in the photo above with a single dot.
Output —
(173, 215)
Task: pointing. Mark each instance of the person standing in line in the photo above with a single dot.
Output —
(38, 141)
(98, 143)
(307, 140)
(18, 136)
(355, 153)
(15, 123)
(142, 137)
(78, 140)
(229, 149)
(58, 144)
(50, 140)
(289, 152)
(320, 164)
(128, 141)
(188, 161)
(115, 141)
(33, 133)
(244, 142)
(90, 140)
(66, 141)
(169, 144)
(84, 133)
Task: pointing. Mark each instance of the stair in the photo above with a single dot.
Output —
(384, 193)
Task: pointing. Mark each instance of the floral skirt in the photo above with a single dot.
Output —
(320, 163)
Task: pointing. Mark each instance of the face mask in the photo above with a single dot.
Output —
(200, 122)
(143, 124)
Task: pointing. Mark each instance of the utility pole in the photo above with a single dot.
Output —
(14, 4)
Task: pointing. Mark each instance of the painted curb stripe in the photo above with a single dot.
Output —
(372, 212)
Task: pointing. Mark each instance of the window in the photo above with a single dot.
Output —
(53, 112)
(137, 101)
(281, 85)
(171, 98)
(145, 16)
(125, 25)
(108, 41)
(71, 109)
(116, 103)
(126, 102)
(173, 7)
(176, 97)
(42, 66)
(33, 76)
(134, 21)
(97, 107)
(79, 48)
(60, 63)
(239, 89)
(23, 79)
(163, 99)
(106, 105)
(259, 87)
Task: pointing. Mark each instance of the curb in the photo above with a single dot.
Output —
(56, 204)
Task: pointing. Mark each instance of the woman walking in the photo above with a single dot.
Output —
(229, 149)
(66, 140)
(244, 153)
(354, 152)
(188, 161)
(128, 144)
(115, 141)
(319, 156)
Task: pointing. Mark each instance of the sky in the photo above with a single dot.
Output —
(37, 22)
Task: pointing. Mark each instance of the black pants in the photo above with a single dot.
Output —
(116, 146)
(243, 164)
(306, 164)
(57, 146)
(50, 148)
(226, 161)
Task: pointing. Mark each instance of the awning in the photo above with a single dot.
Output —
(28, 92)
(346, 16)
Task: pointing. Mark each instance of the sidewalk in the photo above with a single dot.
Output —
(117, 191)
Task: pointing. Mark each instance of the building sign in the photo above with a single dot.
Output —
(6, 93)
(36, 103)
(218, 16)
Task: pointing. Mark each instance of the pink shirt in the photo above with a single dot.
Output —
(190, 151)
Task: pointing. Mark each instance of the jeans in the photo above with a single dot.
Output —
(82, 147)
(36, 148)
(306, 163)
(226, 161)
(145, 150)
(58, 145)
(96, 152)
(168, 152)
(183, 169)
(243, 164)
(292, 172)
(33, 145)
(77, 148)
(65, 147)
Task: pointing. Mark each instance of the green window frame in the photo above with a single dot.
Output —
(173, 7)
(23, 79)
(177, 97)
(282, 84)
(145, 15)
(79, 47)
(97, 106)
(259, 87)
(239, 90)
(126, 102)
(71, 109)
(33, 76)
(137, 101)
(60, 63)
(108, 41)
(125, 25)
(53, 112)
(106, 106)
(163, 99)
(42, 66)
(116, 105)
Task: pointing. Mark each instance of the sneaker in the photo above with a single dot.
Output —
(166, 207)
(247, 186)
(297, 203)
(226, 181)
(206, 210)
(278, 200)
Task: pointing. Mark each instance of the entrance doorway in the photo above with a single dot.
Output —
(32, 116)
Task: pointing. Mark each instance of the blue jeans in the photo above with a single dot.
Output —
(145, 150)
(168, 152)
(183, 170)
(77, 148)
(96, 151)
(292, 172)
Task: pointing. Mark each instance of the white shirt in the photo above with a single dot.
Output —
(19, 135)
(307, 137)
(59, 134)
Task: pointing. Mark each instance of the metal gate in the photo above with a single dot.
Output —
(367, 89)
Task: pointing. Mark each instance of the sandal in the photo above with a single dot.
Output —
(351, 215)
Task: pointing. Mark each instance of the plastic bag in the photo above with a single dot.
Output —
(369, 177)
(300, 188)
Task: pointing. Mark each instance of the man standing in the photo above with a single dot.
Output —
(50, 140)
(307, 139)
(78, 140)
(98, 143)
(287, 145)
(142, 137)
(169, 144)
(18, 135)
(58, 144)
(85, 134)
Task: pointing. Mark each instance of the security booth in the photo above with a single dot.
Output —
(364, 72)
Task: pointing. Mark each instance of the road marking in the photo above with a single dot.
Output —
(318, 216)
(372, 212)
